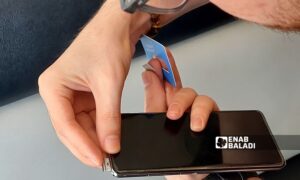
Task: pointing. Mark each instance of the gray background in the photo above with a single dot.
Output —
(240, 65)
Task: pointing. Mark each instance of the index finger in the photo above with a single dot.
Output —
(59, 104)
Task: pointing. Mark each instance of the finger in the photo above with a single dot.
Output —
(93, 115)
(87, 102)
(107, 93)
(157, 66)
(81, 157)
(175, 69)
(154, 93)
(59, 103)
(181, 101)
(77, 140)
(88, 125)
(170, 90)
(201, 109)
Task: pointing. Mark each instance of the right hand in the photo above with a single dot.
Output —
(160, 96)
(82, 89)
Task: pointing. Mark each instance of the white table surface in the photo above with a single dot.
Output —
(240, 65)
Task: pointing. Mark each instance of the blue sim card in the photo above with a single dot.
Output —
(154, 49)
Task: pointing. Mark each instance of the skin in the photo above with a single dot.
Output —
(84, 85)
(160, 96)
(82, 89)
(280, 14)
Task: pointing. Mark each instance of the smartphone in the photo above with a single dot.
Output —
(152, 144)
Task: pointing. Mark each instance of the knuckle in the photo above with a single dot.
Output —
(176, 103)
(186, 94)
(85, 121)
(61, 134)
(205, 97)
(43, 82)
(62, 131)
(212, 103)
(109, 123)
(111, 116)
(42, 79)
(191, 90)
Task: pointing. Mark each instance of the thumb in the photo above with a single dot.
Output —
(154, 93)
(107, 94)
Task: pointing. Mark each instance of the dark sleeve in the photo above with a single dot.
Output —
(33, 33)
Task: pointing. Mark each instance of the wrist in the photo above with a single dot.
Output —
(112, 20)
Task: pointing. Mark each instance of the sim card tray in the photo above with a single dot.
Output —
(106, 167)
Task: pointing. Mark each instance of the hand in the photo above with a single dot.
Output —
(82, 89)
(160, 96)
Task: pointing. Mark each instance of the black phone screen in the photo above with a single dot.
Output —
(153, 142)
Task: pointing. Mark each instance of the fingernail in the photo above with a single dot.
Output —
(174, 111)
(146, 78)
(112, 144)
(197, 126)
(148, 67)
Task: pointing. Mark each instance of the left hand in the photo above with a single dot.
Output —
(160, 96)
(82, 89)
